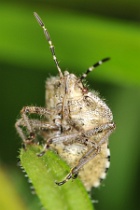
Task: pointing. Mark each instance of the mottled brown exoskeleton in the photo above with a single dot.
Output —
(75, 122)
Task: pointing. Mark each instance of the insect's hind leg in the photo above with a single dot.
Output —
(75, 170)
(91, 153)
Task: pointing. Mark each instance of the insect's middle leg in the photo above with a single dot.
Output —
(68, 139)
(81, 137)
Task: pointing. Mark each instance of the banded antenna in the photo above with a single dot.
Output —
(49, 41)
(93, 67)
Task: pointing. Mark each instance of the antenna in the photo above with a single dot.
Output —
(93, 67)
(49, 41)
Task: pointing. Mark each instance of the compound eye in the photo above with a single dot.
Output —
(85, 90)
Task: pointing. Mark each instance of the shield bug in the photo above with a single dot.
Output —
(75, 122)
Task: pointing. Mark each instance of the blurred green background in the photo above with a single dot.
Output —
(83, 32)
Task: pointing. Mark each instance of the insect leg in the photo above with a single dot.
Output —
(26, 122)
(89, 155)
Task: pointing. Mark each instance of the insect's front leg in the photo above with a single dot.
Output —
(19, 129)
(28, 123)
(37, 126)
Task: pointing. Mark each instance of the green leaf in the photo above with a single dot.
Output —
(43, 171)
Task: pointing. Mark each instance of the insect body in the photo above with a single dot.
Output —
(75, 122)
